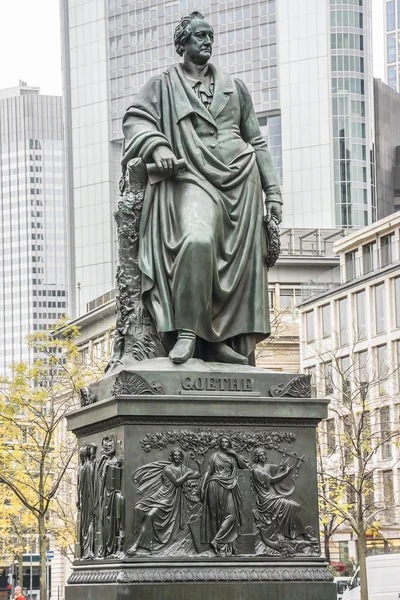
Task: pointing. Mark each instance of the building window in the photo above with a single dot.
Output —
(390, 16)
(397, 300)
(286, 299)
(381, 363)
(348, 437)
(384, 415)
(311, 372)
(345, 376)
(386, 250)
(388, 494)
(391, 74)
(310, 333)
(360, 310)
(391, 47)
(326, 320)
(328, 379)
(362, 368)
(344, 552)
(369, 257)
(379, 298)
(331, 434)
(350, 265)
(398, 365)
(343, 322)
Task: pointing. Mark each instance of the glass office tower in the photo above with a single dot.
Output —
(32, 224)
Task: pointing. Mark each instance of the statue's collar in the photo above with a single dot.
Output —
(186, 101)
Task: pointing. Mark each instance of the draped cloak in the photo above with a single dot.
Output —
(202, 246)
(276, 513)
(161, 498)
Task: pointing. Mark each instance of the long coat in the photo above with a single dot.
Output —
(202, 246)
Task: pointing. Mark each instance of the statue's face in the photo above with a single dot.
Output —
(176, 457)
(262, 457)
(199, 45)
(224, 443)
(109, 447)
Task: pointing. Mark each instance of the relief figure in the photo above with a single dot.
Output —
(222, 502)
(161, 511)
(111, 503)
(85, 503)
(276, 516)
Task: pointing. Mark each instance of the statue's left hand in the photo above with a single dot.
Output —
(273, 209)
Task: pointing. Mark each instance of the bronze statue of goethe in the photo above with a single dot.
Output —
(202, 242)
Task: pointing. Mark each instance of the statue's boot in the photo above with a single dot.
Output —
(184, 347)
(221, 352)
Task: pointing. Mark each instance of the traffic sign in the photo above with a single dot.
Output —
(49, 554)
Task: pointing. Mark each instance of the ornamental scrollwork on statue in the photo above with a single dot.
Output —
(135, 334)
(190, 574)
(273, 240)
(299, 387)
(87, 396)
(132, 384)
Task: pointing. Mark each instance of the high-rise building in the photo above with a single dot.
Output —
(32, 253)
(307, 64)
(392, 57)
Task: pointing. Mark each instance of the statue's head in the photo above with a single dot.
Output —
(176, 456)
(83, 453)
(260, 455)
(194, 38)
(108, 446)
(225, 443)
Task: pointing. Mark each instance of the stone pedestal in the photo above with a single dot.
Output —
(243, 525)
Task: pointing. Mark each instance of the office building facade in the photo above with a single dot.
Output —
(32, 253)
(307, 64)
(350, 346)
(392, 57)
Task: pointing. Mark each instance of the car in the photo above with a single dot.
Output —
(383, 574)
(342, 583)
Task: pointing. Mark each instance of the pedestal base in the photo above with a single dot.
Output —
(242, 524)
(209, 580)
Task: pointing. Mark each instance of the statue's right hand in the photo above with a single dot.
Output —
(165, 160)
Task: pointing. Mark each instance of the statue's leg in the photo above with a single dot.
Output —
(193, 268)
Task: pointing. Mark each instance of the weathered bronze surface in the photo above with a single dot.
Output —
(218, 485)
(193, 249)
(206, 483)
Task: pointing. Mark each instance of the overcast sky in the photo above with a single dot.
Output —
(30, 43)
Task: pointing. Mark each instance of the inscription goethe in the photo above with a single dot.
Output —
(217, 384)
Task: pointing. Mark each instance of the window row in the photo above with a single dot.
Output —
(348, 63)
(351, 2)
(353, 379)
(345, 127)
(339, 431)
(347, 18)
(351, 85)
(347, 41)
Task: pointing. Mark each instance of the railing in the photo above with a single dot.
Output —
(100, 300)
(350, 271)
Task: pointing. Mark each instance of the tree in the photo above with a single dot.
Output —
(35, 450)
(17, 525)
(363, 426)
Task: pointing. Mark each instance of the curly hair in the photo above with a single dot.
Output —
(225, 437)
(170, 455)
(183, 31)
(257, 452)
